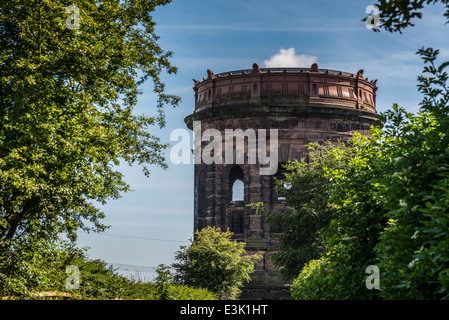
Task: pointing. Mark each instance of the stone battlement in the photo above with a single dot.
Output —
(286, 86)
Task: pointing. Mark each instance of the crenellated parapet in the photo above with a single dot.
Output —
(286, 87)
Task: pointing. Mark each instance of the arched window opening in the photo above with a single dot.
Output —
(236, 185)
(237, 190)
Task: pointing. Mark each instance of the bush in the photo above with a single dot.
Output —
(306, 190)
(216, 262)
(310, 284)
(33, 264)
(34, 268)
(390, 195)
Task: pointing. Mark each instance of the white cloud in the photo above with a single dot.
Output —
(289, 58)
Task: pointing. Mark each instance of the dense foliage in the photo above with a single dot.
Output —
(412, 249)
(33, 264)
(215, 261)
(70, 75)
(37, 269)
(388, 193)
(306, 190)
(66, 109)
(389, 198)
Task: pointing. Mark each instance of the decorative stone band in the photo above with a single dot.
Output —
(239, 111)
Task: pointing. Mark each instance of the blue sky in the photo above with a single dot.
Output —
(231, 35)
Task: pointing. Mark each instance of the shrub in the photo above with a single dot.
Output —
(216, 262)
(310, 284)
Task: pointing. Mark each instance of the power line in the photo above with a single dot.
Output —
(130, 267)
(133, 267)
(141, 238)
(124, 265)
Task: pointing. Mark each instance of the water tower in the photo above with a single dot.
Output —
(302, 105)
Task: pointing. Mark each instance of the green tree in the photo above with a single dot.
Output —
(163, 282)
(216, 262)
(311, 283)
(66, 109)
(30, 267)
(354, 220)
(357, 220)
(390, 197)
(396, 15)
(32, 263)
(306, 189)
(413, 247)
(412, 250)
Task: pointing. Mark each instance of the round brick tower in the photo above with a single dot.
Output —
(284, 109)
